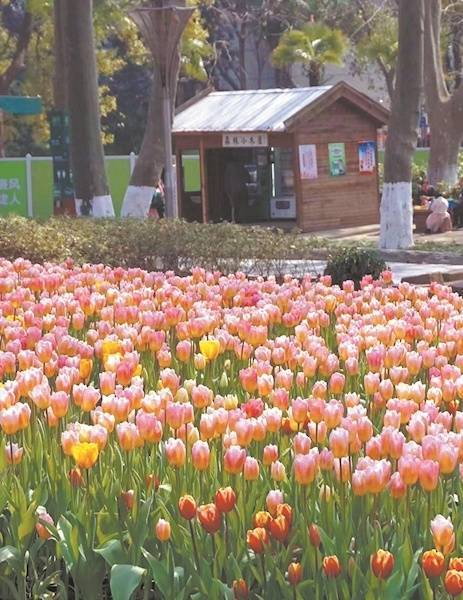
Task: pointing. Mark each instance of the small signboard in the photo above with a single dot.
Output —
(63, 188)
(337, 159)
(308, 161)
(13, 187)
(245, 140)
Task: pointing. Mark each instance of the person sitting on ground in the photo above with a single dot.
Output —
(439, 221)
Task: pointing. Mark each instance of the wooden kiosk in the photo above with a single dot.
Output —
(307, 155)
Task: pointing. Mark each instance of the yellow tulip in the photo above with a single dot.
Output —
(85, 368)
(209, 348)
(85, 454)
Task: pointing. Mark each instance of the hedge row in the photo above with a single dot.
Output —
(152, 245)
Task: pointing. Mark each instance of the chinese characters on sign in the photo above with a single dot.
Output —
(337, 158)
(308, 161)
(367, 157)
(245, 140)
(9, 189)
(13, 188)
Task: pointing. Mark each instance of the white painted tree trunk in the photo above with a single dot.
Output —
(102, 207)
(396, 216)
(137, 201)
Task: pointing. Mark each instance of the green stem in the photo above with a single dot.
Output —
(195, 549)
(262, 560)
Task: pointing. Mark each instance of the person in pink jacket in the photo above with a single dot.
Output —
(439, 221)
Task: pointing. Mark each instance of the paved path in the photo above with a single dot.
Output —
(298, 268)
(371, 233)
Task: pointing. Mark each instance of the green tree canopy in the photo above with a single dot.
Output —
(314, 46)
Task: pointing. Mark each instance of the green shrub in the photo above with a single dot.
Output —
(353, 264)
(159, 245)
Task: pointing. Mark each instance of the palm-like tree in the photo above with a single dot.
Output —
(314, 46)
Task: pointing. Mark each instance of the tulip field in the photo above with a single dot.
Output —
(221, 437)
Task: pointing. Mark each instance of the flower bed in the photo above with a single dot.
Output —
(215, 437)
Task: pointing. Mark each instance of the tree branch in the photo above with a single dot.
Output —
(17, 62)
(436, 89)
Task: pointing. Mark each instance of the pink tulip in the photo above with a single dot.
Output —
(233, 459)
(251, 469)
(200, 455)
(306, 467)
(175, 452)
(274, 498)
(339, 442)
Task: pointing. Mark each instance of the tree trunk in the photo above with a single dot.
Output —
(150, 162)
(59, 77)
(444, 152)
(445, 109)
(396, 203)
(87, 155)
(151, 159)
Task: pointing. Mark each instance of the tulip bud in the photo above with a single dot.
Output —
(128, 499)
(41, 530)
(223, 383)
(240, 589)
(331, 566)
(162, 530)
(294, 573)
(152, 480)
(314, 535)
(382, 564)
(75, 477)
(225, 499)
(187, 507)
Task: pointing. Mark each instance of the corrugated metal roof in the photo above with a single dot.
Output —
(253, 110)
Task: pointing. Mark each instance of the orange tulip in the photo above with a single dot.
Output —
(433, 563)
(240, 589)
(262, 519)
(453, 582)
(382, 564)
(225, 499)
(279, 528)
(294, 573)
(286, 511)
(456, 564)
(210, 518)
(257, 539)
(187, 507)
(331, 566)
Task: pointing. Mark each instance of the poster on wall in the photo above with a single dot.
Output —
(337, 159)
(308, 161)
(367, 157)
